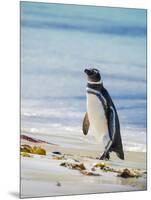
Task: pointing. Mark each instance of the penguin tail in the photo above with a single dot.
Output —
(117, 147)
(120, 155)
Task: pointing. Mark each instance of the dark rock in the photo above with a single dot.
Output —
(57, 152)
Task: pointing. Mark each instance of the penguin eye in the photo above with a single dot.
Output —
(95, 71)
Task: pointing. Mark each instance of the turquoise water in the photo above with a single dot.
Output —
(58, 42)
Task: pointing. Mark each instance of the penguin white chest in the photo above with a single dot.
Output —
(96, 116)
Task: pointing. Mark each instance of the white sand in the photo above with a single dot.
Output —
(43, 176)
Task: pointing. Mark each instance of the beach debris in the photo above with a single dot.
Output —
(31, 139)
(58, 158)
(110, 169)
(125, 173)
(26, 148)
(33, 150)
(57, 152)
(76, 160)
(58, 184)
(79, 166)
(93, 169)
(38, 150)
(129, 173)
(58, 155)
(89, 173)
(101, 165)
(25, 154)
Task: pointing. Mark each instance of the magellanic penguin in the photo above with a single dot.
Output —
(102, 116)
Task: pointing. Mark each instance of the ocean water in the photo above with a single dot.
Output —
(57, 43)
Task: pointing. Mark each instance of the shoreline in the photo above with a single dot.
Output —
(43, 175)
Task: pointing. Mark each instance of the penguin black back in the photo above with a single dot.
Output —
(95, 87)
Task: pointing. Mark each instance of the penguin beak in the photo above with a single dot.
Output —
(88, 72)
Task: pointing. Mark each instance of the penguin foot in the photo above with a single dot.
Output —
(105, 156)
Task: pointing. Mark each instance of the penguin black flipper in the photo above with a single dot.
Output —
(86, 124)
(115, 143)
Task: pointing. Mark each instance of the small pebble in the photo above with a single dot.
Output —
(57, 152)
(58, 184)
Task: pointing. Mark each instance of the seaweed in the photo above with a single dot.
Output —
(101, 165)
(129, 173)
(34, 140)
(38, 150)
(25, 154)
(33, 150)
(79, 166)
(26, 148)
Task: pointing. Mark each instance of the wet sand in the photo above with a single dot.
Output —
(42, 175)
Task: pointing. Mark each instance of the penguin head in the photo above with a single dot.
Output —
(93, 74)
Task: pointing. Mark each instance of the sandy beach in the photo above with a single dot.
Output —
(43, 175)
